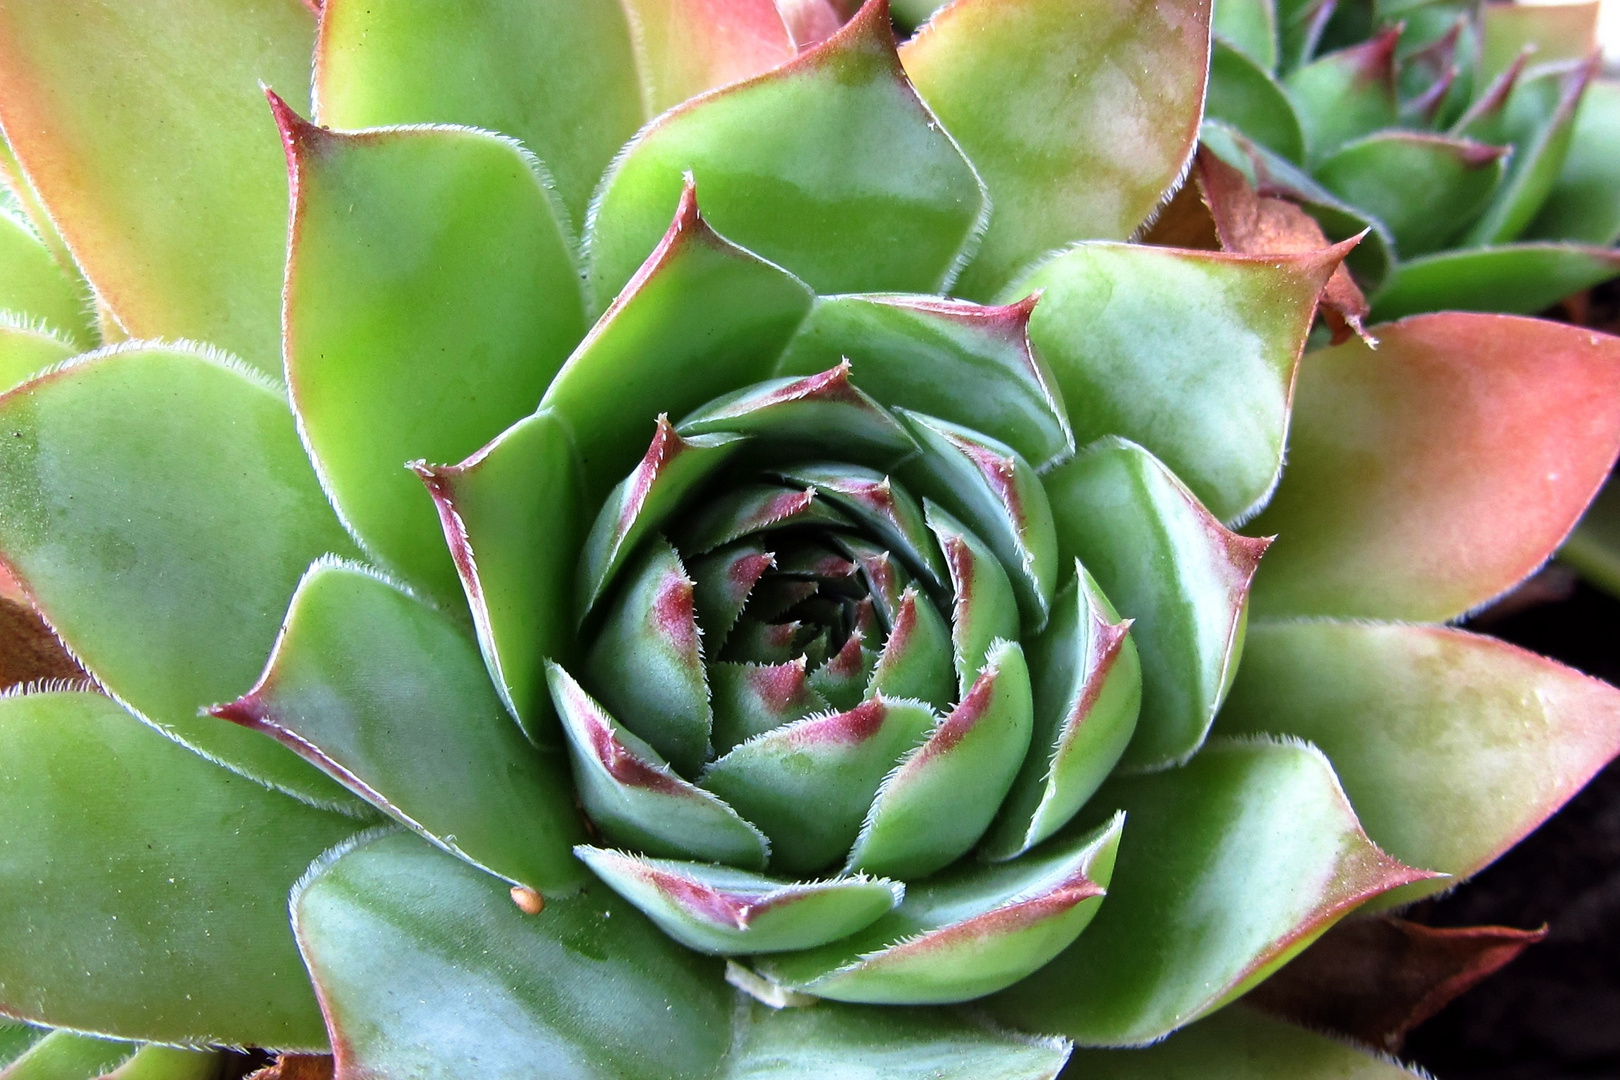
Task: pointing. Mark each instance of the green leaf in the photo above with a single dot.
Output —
(701, 317)
(16, 1037)
(1584, 203)
(143, 129)
(1169, 566)
(27, 349)
(67, 1055)
(1426, 188)
(983, 605)
(1518, 279)
(796, 165)
(34, 286)
(646, 665)
(1191, 354)
(751, 699)
(513, 518)
(169, 1063)
(1431, 474)
(940, 799)
(431, 296)
(1087, 682)
(684, 47)
(1245, 95)
(426, 965)
(964, 363)
(807, 785)
(1250, 26)
(715, 527)
(503, 65)
(916, 660)
(965, 933)
(633, 796)
(1594, 547)
(1553, 32)
(114, 899)
(888, 513)
(156, 503)
(989, 486)
(1074, 142)
(1451, 746)
(718, 910)
(724, 579)
(1239, 1043)
(388, 696)
(1346, 94)
(1232, 863)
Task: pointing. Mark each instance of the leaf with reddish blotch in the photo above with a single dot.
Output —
(984, 607)
(889, 514)
(797, 165)
(751, 699)
(1230, 864)
(916, 659)
(29, 651)
(1079, 123)
(1375, 979)
(1451, 746)
(684, 47)
(1439, 470)
(143, 130)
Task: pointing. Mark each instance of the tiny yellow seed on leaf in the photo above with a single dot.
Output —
(527, 900)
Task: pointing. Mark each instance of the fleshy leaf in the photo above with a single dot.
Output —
(843, 679)
(1594, 547)
(634, 797)
(513, 520)
(808, 785)
(1426, 188)
(1239, 1044)
(1584, 203)
(155, 1062)
(1451, 746)
(797, 165)
(639, 506)
(751, 699)
(34, 286)
(134, 906)
(701, 318)
(1250, 26)
(964, 363)
(389, 697)
(965, 933)
(983, 607)
(143, 129)
(684, 47)
(718, 910)
(722, 583)
(646, 664)
(1087, 683)
(27, 350)
(67, 1055)
(431, 296)
(888, 513)
(1346, 94)
(1168, 565)
(156, 505)
(1431, 474)
(502, 65)
(425, 965)
(1079, 125)
(1516, 279)
(989, 486)
(16, 1038)
(1553, 32)
(742, 511)
(1232, 863)
(916, 659)
(1191, 354)
(1245, 95)
(943, 795)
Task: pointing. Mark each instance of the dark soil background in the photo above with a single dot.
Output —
(1554, 1013)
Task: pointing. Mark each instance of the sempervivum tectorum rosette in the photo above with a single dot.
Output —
(609, 622)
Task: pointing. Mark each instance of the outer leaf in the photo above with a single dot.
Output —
(1244, 94)
(718, 910)
(431, 296)
(1584, 203)
(1079, 120)
(1439, 470)
(1516, 279)
(142, 127)
(1239, 1044)
(701, 317)
(425, 965)
(34, 286)
(1250, 26)
(1232, 863)
(1426, 188)
(1167, 564)
(964, 363)
(26, 350)
(156, 505)
(1451, 746)
(504, 65)
(798, 166)
(389, 697)
(1191, 354)
(113, 897)
(1345, 94)
(684, 47)
(66, 1055)
(514, 521)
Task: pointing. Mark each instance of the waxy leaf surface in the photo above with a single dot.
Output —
(33, 285)
(1584, 203)
(67, 1055)
(1245, 95)
(684, 47)
(1516, 279)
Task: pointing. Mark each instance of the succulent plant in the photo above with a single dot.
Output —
(797, 638)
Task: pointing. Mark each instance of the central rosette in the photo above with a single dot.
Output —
(836, 704)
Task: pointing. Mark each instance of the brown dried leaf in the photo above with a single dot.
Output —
(28, 650)
(1185, 221)
(298, 1067)
(1375, 979)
